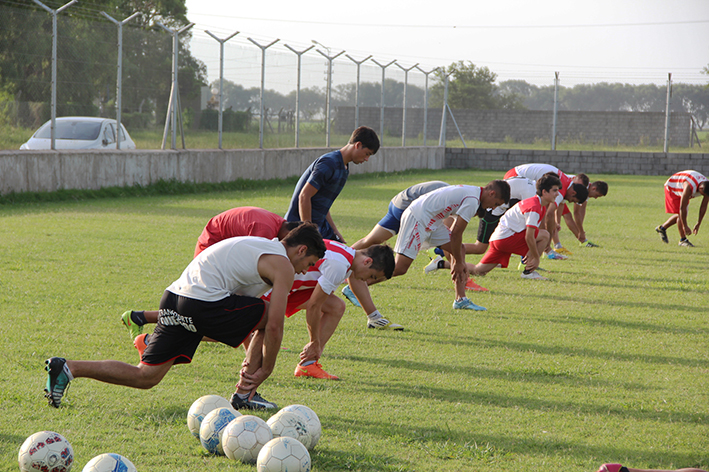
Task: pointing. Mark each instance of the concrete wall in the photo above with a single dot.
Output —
(37, 171)
(589, 162)
(526, 126)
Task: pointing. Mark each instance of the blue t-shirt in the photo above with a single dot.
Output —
(328, 174)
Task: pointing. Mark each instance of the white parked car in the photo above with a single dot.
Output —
(79, 132)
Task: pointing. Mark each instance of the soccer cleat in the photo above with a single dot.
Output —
(256, 403)
(663, 234)
(685, 243)
(564, 251)
(465, 304)
(349, 294)
(433, 265)
(141, 342)
(588, 243)
(471, 285)
(553, 255)
(534, 275)
(383, 323)
(612, 468)
(435, 251)
(133, 328)
(57, 380)
(315, 371)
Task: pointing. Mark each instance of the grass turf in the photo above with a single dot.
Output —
(607, 362)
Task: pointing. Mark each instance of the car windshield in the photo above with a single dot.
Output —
(71, 129)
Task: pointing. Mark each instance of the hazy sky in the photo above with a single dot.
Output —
(628, 41)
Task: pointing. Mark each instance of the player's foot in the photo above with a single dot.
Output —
(471, 285)
(314, 370)
(534, 275)
(663, 234)
(141, 342)
(133, 328)
(685, 243)
(588, 243)
(563, 250)
(555, 256)
(58, 378)
(349, 294)
(433, 265)
(256, 403)
(383, 323)
(611, 468)
(465, 304)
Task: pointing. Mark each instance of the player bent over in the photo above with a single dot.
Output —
(423, 223)
(679, 190)
(519, 232)
(314, 293)
(217, 297)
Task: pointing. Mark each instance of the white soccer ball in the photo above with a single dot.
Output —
(314, 426)
(109, 463)
(211, 429)
(244, 437)
(283, 455)
(46, 451)
(201, 407)
(292, 425)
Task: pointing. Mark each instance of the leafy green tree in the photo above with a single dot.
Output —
(470, 87)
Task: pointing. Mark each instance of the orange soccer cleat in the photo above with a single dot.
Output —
(471, 285)
(314, 370)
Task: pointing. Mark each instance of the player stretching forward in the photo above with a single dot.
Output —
(422, 223)
(679, 190)
(575, 223)
(314, 293)
(216, 296)
(519, 232)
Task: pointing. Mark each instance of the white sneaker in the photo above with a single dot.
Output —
(534, 275)
(383, 323)
(433, 265)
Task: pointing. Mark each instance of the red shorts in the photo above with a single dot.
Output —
(671, 202)
(295, 300)
(510, 173)
(500, 250)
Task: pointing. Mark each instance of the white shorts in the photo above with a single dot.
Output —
(413, 236)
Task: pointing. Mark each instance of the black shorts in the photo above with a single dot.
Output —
(182, 322)
(488, 223)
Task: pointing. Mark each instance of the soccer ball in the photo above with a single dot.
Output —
(201, 407)
(46, 451)
(109, 463)
(212, 426)
(290, 424)
(283, 455)
(311, 419)
(244, 437)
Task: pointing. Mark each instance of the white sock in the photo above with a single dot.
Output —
(374, 316)
(68, 372)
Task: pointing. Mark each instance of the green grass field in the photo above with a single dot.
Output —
(606, 362)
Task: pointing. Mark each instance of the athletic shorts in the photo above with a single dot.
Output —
(413, 236)
(500, 250)
(392, 220)
(510, 173)
(672, 202)
(295, 300)
(182, 322)
(487, 225)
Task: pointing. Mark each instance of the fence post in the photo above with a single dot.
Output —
(297, 94)
(556, 110)
(425, 102)
(263, 83)
(357, 87)
(329, 86)
(667, 113)
(442, 135)
(221, 78)
(381, 104)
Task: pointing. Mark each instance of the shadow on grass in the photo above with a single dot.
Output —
(329, 459)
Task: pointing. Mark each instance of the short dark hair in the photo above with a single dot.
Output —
(601, 186)
(307, 234)
(583, 178)
(291, 225)
(704, 186)
(367, 136)
(547, 181)
(581, 192)
(382, 258)
(501, 188)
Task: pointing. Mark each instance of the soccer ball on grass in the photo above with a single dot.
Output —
(244, 437)
(312, 420)
(109, 463)
(211, 429)
(46, 451)
(283, 455)
(201, 407)
(290, 424)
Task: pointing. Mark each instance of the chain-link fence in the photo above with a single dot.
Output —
(265, 81)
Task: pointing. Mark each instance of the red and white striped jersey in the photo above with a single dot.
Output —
(529, 212)
(330, 271)
(675, 184)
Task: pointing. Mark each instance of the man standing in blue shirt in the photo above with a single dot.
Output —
(324, 179)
